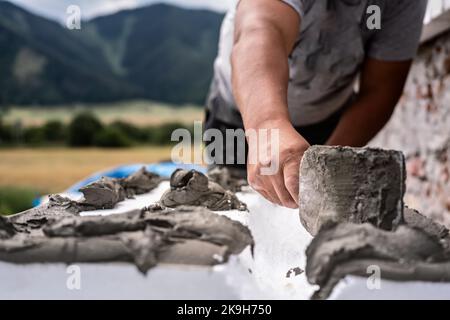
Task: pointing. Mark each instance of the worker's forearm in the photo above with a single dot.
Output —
(260, 77)
(362, 120)
(381, 85)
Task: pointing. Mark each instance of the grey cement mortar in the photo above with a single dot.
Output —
(342, 184)
(416, 220)
(107, 192)
(294, 272)
(55, 232)
(195, 189)
(415, 248)
(351, 199)
(186, 235)
(418, 251)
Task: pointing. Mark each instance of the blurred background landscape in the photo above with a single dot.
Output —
(73, 102)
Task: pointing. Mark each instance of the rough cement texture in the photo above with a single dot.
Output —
(55, 232)
(406, 254)
(107, 192)
(140, 182)
(341, 184)
(414, 219)
(420, 127)
(102, 194)
(195, 189)
(186, 235)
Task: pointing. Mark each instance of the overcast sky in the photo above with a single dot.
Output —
(56, 9)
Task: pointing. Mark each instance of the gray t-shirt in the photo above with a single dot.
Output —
(332, 44)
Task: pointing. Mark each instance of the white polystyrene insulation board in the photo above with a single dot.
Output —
(280, 241)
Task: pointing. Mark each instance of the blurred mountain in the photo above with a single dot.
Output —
(160, 52)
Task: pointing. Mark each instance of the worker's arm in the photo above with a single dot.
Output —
(265, 34)
(380, 89)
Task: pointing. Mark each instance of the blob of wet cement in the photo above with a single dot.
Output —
(185, 235)
(195, 189)
(415, 251)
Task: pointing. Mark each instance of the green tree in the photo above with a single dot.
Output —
(131, 131)
(162, 134)
(34, 136)
(55, 131)
(83, 129)
(112, 137)
(6, 133)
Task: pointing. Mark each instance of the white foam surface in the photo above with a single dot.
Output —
(280, 245)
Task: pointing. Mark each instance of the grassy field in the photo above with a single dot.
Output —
(140, 113)
(48, 170)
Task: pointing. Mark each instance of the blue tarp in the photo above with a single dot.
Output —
(164, 169)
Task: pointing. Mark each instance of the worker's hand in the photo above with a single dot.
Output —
(280, 186)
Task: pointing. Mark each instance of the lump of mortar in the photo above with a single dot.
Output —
(227, 179)
(186, 235)
(145, 247)
(193, 188)
(184, 222)
(294, 271)
(56, 201)
(34, 219)
(346, 249)
(95, 225)
(107, 192)
(341, 184)
(414, 219)
(199, 223)
(102, 194)
(142, 181)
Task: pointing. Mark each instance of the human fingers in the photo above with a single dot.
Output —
(291, 178)
(282, 192)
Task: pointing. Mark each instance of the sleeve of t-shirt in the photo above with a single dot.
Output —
(401, 28)
(297, 5)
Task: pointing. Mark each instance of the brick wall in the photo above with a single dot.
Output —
(420, 127)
